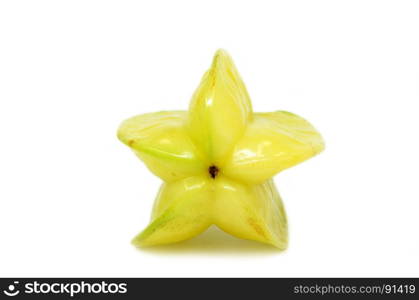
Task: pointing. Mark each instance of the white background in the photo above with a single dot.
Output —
(72, 196)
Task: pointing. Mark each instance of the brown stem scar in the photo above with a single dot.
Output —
(213, 170)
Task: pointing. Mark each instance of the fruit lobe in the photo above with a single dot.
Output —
(220, 109)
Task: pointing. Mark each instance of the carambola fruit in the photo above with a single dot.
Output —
(217, 161)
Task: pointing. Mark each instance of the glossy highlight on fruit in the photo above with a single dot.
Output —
(217, 161)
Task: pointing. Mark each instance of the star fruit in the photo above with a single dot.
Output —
(217, 161)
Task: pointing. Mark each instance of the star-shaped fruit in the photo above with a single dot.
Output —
(217, 161)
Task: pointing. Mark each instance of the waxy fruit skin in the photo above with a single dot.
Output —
(217, 161)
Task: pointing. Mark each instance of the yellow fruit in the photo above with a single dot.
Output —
(217, 161)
